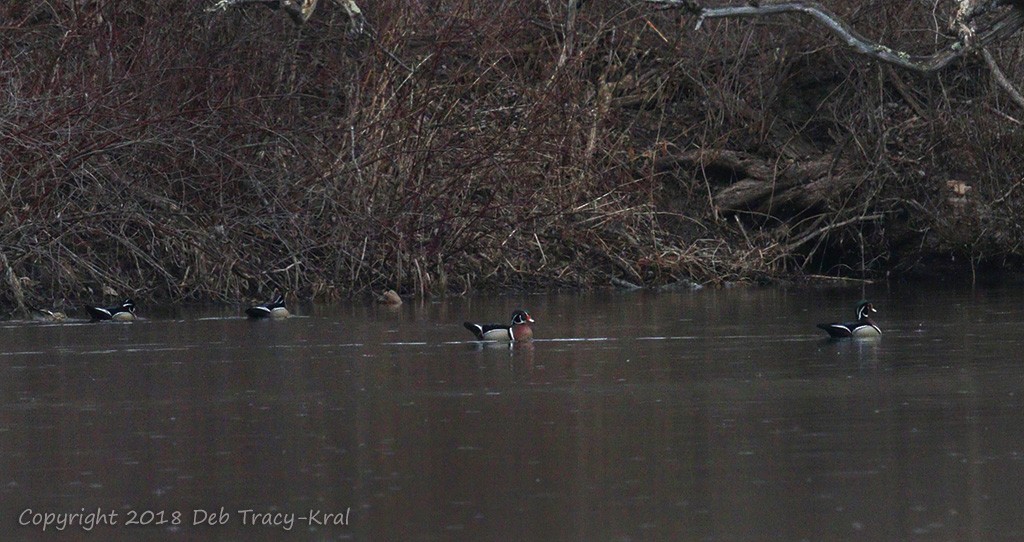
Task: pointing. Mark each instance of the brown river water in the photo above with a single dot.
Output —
(714, 415)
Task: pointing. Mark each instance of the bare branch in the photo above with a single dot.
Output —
(793, 245)
(1001, 27)
(569, 37)
(1001, 78)
(356, 21)
(966, 16)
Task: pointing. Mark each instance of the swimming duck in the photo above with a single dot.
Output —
(518, 330)
(863, 327)
(272, 309)
(124, 312)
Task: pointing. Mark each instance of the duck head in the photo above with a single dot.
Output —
(864, 310)
(520, 317)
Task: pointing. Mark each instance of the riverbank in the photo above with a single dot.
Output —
(464, 152)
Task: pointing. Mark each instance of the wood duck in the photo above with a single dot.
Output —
(125, 312)
(863, 327)
(272, 309)
(518, 330)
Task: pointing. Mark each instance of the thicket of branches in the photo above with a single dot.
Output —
(154, 149)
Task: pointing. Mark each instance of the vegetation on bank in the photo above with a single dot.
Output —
(157, 150)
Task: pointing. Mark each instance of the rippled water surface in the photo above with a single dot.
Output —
(707, 415)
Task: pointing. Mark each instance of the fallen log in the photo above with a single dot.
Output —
(743, 182)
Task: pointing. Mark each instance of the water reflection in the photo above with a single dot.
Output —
(721, 415)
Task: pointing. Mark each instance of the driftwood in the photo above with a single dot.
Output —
(747, 183)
